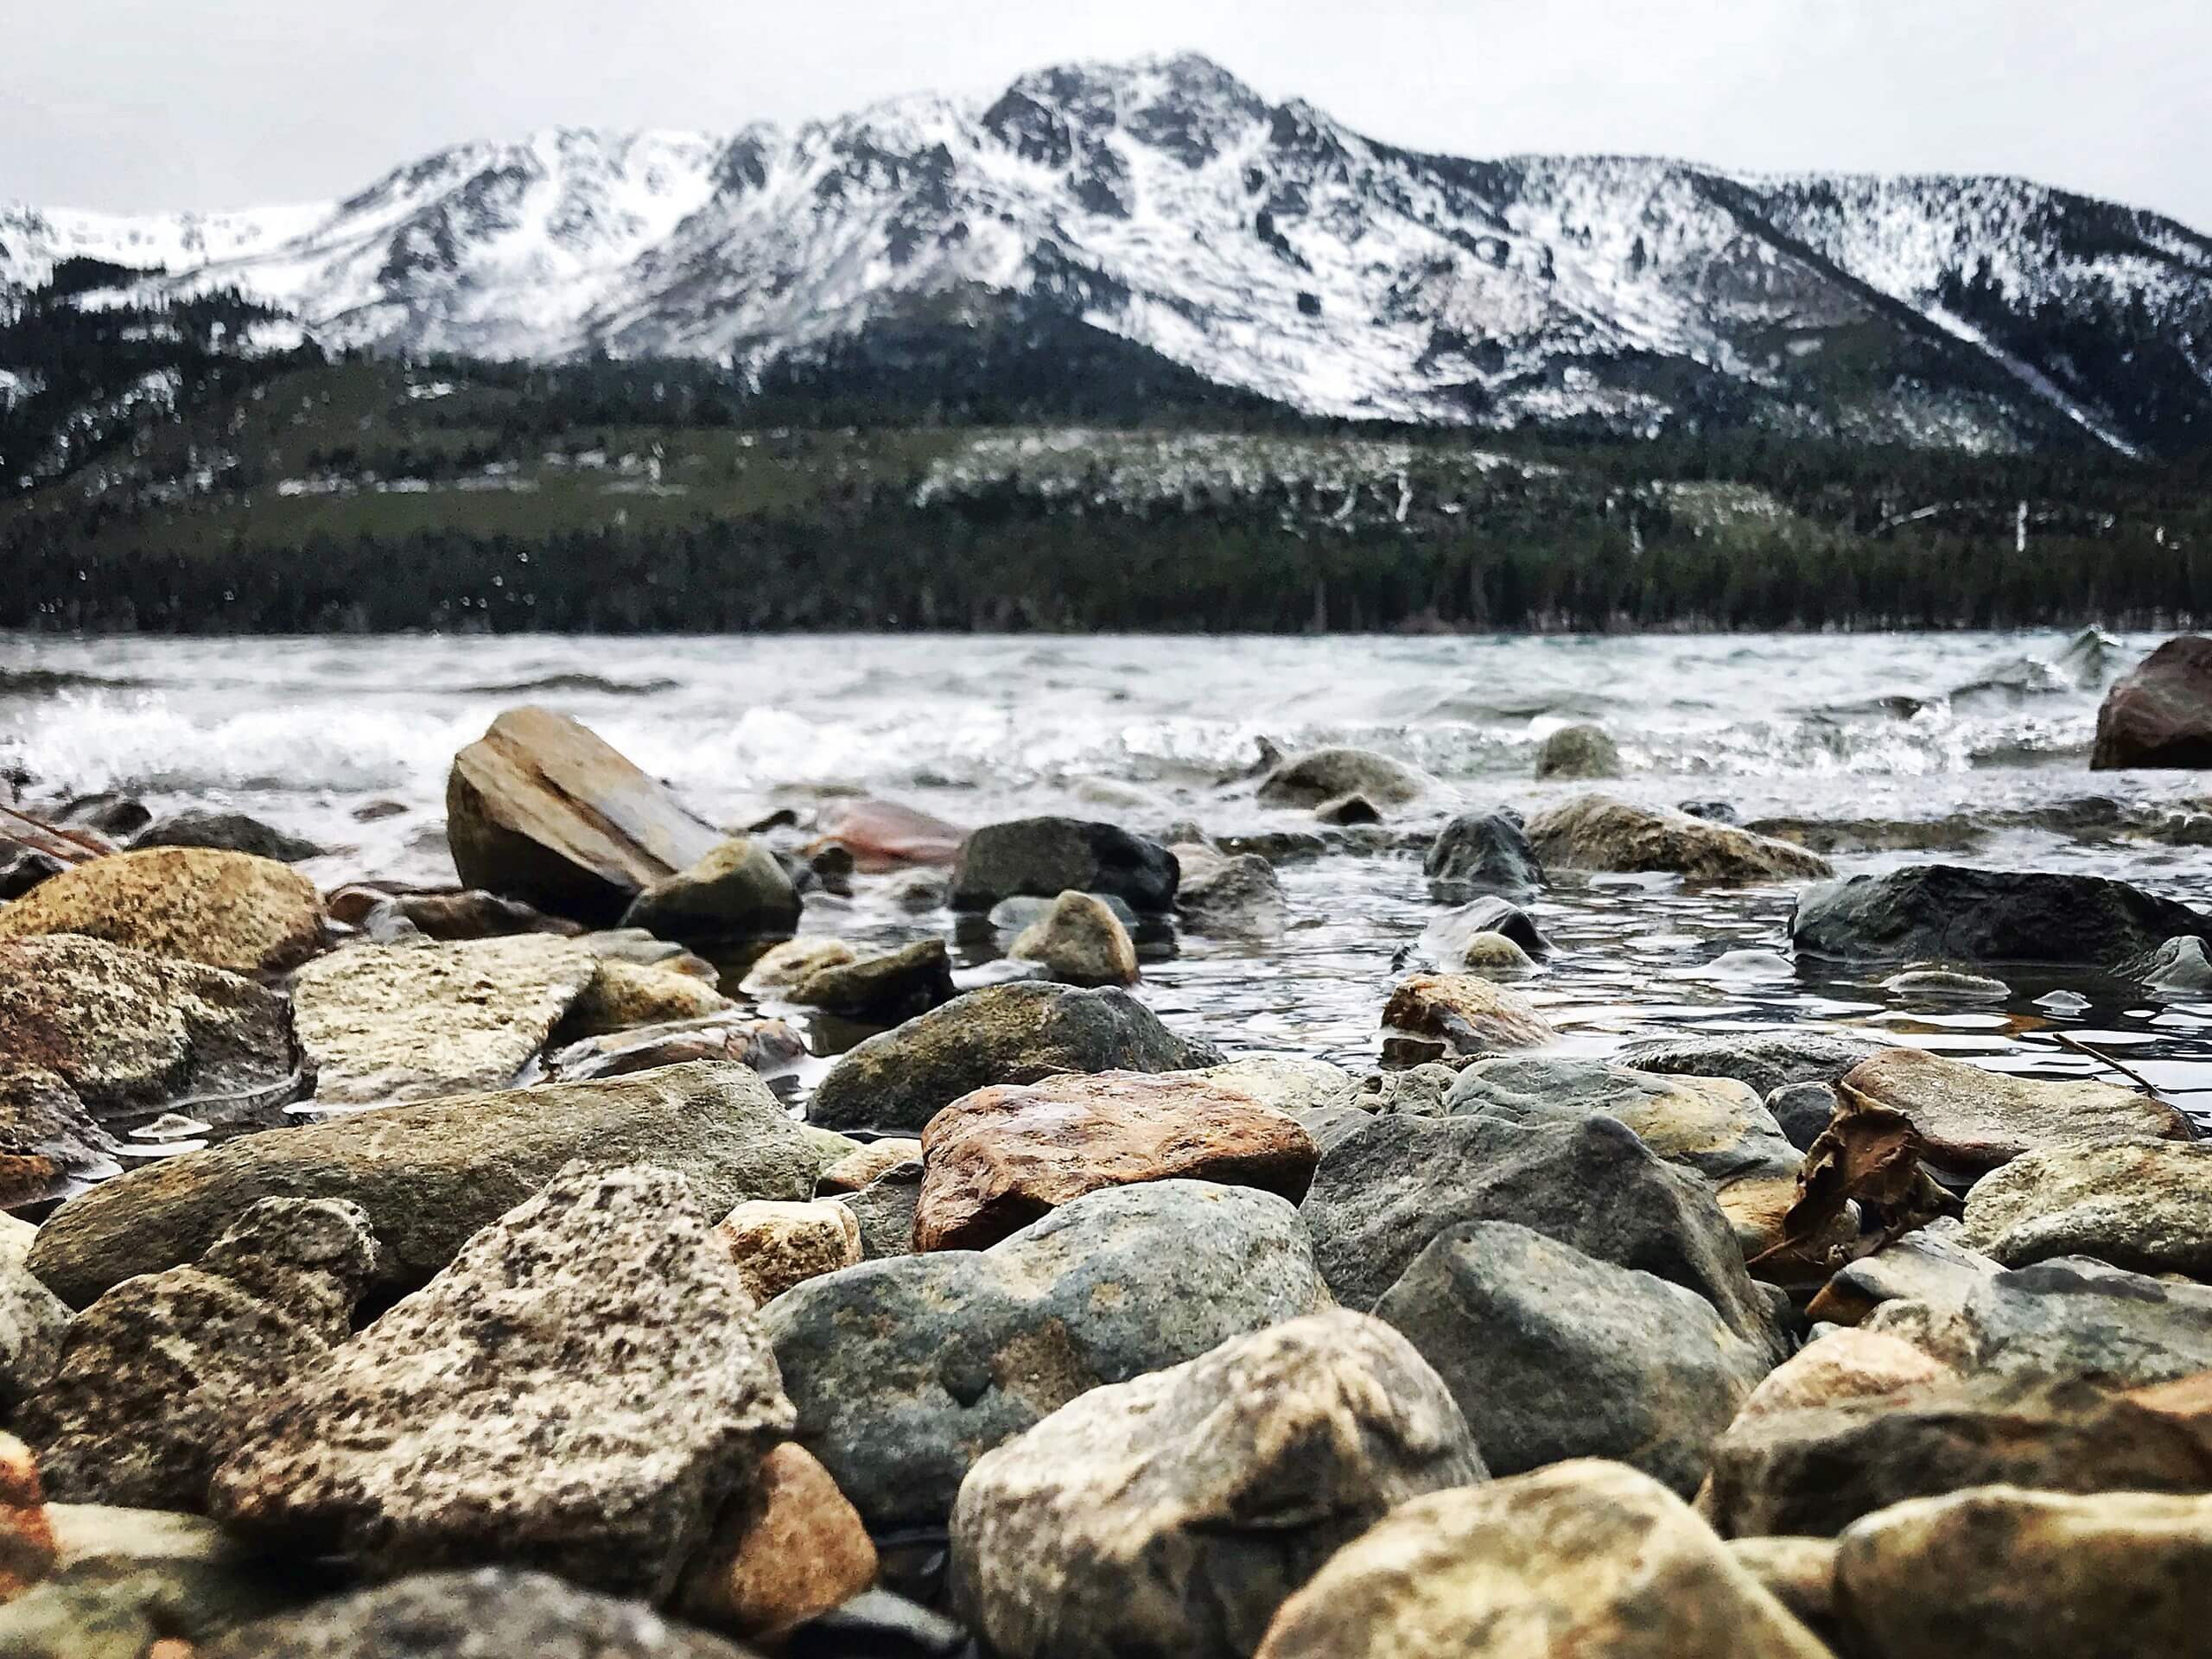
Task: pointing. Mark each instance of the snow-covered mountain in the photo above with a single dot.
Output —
(1165, 205)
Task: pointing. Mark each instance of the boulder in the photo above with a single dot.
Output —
(2179, 967)
(1846, 1366)
(579, 1391)
(145, 1401)
(1079, 942)
(430, 1174)
(624, 996)
(1946, 912)
(541, 809)
(1578, 752)
(1928, 1264)
(888, 835)
(1465, 1013)
(1227, 895)
(93, 1034)
(231, 832)
(1446, 943)
(1594, 832)
(2160, 715)
(1296, 1084)
(231, 911)
(1174, 1514)
(1553, 1355)
(733, 893)
(777, 1244)
(458, 1615)
(781, 967)
(1004, 1033)
(1583, 1557)
(996, 1160)
(2141, 1204)
(786, 1550)
(2001, 1572)
(1381, 1192)
(1767, 1061)
(884, 989)
(1974, 1119)
(32, 1321)
(905, 1371)
(1319, 775)
(385, 1023)
(1044, 857)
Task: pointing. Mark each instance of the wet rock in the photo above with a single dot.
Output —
(998, 1160)
(1227, 895)
(460, 1614)
(919, 892)
(885, 1208)
(1465, 1013)
(23, 867)
(232, 832)
(1974, 1119)
(2161, 714)
(905, 1371)
(144, 1403)
(1947, 913)
(782, 967)
(768, 1046)
(1713, 811)
(1004, 1033)
(1080, 942)
(115, 816)
(228, 909)
(1941, 986)
(886, 836)
(1174, 1513)
(1594, 832)
(1485, 851)
(385, 1023)
(884, 989)
(540, 809)
(1383, 1191)
(1309, 780)
(1017, 915)
(1045, 857)
(1845, 1367)
(1585, 1557)
(430, 1174)
(2000, 1572)
(622, 996)
(1348, 809)
(1553, 1354)
(2178, 965)
(32, 1321)
(735, 892)
(1578, 752)
(579, 1391)
(1803, 1110)
(1928, 1264)
(870, 1162)
(472, 913)
(777, 1244)
(787, 1549)
(1765, 1060)
(2146, 1205)
(1448, 941)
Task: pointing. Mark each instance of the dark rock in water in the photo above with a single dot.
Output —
(884, 990)
(430, 1174)
(1578, 752)
(475, 914)
(1553, 1354)
(905, 1371)
(1045, 857)
(1711, 811)
(1174, 1513)
(147, 1400)
(736, 893)
(1955, 832)
(1947, 912)
(578, 1392)
(1767, 1061)
(1004, 1033)
(1227, 895)
(1383, 1191)
(2177, 965)
(1349, 810)
(540, 809)
(1594, 832)
(1443, 941)
(1321, 775)
(376, 811)
(1485, 851)
(1803, 1110)
(231, 911)
(2161, 714)
(234, 832)
(23, 867)
(117, 817)
(449, 1615)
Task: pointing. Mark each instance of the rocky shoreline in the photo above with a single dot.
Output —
(495, 1298)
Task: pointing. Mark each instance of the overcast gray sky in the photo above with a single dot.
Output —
(142, 103)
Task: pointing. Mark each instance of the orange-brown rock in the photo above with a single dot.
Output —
(1466, 1013)
(887, 835)
(1974, 1119)
(786, 1551)
(227, 909)
(995, 1160)
(27, 1546)
(857, 1170)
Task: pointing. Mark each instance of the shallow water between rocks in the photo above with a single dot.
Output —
(1979, 740)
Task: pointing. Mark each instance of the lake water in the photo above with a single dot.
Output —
(1987, 733)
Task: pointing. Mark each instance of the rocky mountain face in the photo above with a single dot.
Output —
(1165, 212)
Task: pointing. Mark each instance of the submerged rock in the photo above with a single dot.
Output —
(2161, 714)
(540, 809)
(1950, 913)
(905, 1371)
(1174, 1513)
(234, 832)
(1044, 857)
(430, 1174)
(1578, 752)
(886, 990)
(1003, 1034)
(1483, 851)
(228, 909)
(1079, 942)
(2180, 965)
(731, 893)
(1594, 832)
(2146, 1205)
(1974, 1119)
(1320, 775)
(1448, 941)
(578, 1392)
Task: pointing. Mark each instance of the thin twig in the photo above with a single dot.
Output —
(2067, 1039)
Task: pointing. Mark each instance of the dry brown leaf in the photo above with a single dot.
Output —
(1869, 1152)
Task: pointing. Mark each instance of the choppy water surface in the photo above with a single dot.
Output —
(1985, 735)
